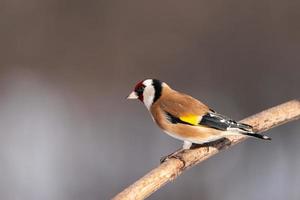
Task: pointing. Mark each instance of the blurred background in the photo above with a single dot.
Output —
(67, 132)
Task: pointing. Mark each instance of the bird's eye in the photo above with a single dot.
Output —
(140, 90)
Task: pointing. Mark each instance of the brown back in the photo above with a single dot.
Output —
(179, 104)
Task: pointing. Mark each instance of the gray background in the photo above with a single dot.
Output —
(68, 133)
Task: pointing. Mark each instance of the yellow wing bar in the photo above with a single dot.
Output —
(191, 119)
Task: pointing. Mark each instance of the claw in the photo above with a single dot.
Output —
(163, 159)
(175, 155)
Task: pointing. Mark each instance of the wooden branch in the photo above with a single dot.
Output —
(173, 167)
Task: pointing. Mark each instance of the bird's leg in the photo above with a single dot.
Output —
(189, 145)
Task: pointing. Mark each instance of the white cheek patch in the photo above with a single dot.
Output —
(148, 94)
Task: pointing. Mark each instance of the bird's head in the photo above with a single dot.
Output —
(147, 91)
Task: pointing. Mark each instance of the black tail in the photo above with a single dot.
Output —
(248, 130)
(258, 136)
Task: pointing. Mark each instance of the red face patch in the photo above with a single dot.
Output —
(138, 85)
(139, 89)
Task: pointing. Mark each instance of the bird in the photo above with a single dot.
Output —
(186, 118)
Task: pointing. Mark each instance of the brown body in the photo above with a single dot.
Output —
(179, 104)
(185, 118)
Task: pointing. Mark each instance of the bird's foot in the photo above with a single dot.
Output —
(176, 155)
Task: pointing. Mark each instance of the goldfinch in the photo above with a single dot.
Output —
(184, 117)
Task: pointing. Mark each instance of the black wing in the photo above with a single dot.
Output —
(223, 123)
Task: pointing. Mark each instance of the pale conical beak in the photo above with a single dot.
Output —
(132, 96)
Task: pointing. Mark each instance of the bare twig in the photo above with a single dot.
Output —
(170, 169)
